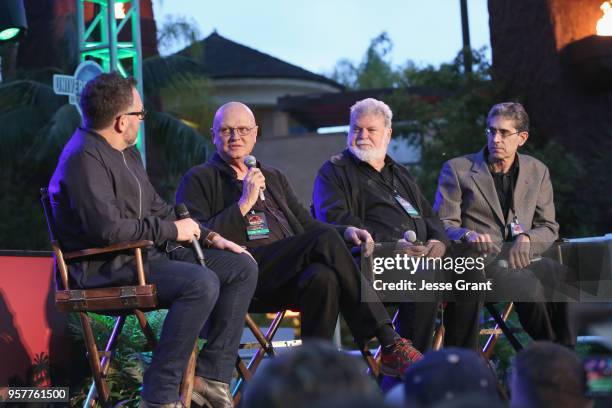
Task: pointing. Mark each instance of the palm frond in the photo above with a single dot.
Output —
(173, 148)
(161, 72)
(21, 93)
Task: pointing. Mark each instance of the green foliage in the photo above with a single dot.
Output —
(375, 71)
(130, 360)
(177, 29)
(452, 123)
(454, 126)
(178, 147)
(36, 124)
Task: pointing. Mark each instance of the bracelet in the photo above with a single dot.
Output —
(208, 240)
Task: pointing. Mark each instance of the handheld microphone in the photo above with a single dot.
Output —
(410, 236)
(181, 212)
(250, 162)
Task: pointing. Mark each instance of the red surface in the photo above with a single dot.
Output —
(26, 315)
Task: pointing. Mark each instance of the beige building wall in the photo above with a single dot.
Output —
(300, 157)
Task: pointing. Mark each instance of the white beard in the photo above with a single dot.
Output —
(368, 155)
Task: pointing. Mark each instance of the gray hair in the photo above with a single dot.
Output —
(372, 106)
(513, 111)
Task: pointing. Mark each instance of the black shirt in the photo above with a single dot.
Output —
(504, 184)
(383, 214)
(277, 222)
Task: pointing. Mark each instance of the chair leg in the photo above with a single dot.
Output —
(371, 360)
(94, 364)
(146, 328)
(187, 383)
(105, 363)
(487, 350)
(265, 342)
(439, 337)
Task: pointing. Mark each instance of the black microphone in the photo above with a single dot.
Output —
(250, 162)
(181, 212)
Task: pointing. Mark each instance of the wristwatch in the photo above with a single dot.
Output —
(465, 237)
(208, 240)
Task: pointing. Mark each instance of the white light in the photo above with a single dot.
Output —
(119, 11)
(604, 24)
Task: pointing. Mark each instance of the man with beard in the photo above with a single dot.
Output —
(363, 186)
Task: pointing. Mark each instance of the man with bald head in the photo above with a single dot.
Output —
(304, 264)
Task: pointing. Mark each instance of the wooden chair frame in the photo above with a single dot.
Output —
(115, 301)
(265, 345)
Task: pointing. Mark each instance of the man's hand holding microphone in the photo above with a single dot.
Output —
(189, 231)
(413, 247)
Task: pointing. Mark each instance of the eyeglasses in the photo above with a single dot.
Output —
(141, 114)
(240, 130)
(504, 133)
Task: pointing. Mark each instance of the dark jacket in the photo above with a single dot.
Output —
(339, 199)
(102, 196)
(211, 193)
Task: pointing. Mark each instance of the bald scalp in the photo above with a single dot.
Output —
(229, 107)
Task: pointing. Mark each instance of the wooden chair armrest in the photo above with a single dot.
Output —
(122, 246)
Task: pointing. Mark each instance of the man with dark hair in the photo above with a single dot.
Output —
(548, 375)
(101, 195)
(303, 263)
(363, 186)
(498, 195)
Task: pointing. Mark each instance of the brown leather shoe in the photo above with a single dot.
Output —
(211, 394)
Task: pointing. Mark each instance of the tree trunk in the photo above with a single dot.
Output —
(527, 40)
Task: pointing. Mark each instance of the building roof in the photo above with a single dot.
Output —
(332, 109)
(223, 59)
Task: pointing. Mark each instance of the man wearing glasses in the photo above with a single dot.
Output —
(101, 195)
(498, 195)
(304, 264)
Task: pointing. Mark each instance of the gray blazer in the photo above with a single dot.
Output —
(466, 200)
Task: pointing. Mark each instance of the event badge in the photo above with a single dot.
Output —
(516, 228)
(410, 210)
(257, 227)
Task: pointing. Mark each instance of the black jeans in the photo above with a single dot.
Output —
(219, 292)
(315, 273)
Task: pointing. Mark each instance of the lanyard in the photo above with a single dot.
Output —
(389, 187)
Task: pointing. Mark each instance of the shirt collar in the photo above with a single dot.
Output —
(514, 167)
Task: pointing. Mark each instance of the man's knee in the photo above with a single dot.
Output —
(328, 236)
(204, 285)
(321, 281)
(245, 270)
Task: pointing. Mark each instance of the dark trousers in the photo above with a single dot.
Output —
(220, 292)
(542, 280)
(547, 321)
(315, 273)
(416, 321)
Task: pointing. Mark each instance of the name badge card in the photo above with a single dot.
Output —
(258, 226)
(410, 210)
(516, 228)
